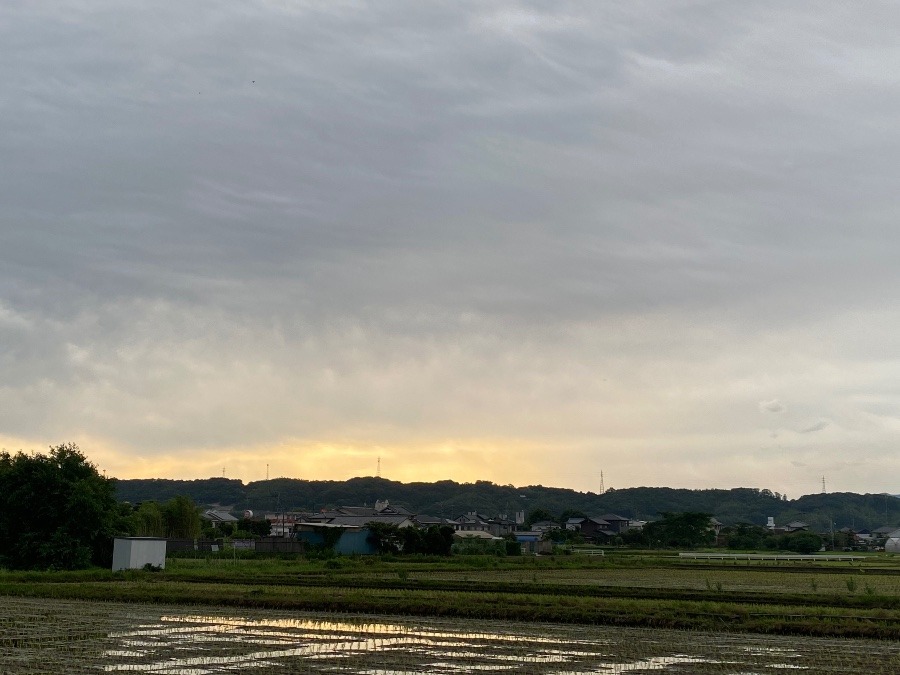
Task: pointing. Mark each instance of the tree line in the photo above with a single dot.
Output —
(449, 499)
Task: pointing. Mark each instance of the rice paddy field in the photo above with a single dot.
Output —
(616, 614)
(62, 636)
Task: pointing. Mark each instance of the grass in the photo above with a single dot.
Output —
(825, 599)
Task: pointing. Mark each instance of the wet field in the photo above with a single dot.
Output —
(46, 636)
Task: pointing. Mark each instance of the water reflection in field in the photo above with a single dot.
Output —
(82, 637)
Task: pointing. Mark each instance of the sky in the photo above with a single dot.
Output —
(571, 244)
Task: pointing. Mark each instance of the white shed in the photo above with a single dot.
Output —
(892, 545)
(133, 553)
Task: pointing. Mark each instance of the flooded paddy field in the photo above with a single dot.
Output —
(74, 637)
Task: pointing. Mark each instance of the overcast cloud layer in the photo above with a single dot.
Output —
(521, 242)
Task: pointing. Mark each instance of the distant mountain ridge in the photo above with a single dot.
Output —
(449, 498)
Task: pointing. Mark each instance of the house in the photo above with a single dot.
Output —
(501, 526)
(883, 532)
(617, 524)
(533, 543)
(596, 529)
(216, 517)
(471, 522)
(358, 516)
(434, 521)
(423, 520)
(282, 524)
(574, 524)
(362, 520)
(478, 522)
(796, 526)
(352, 540)
(544, 526)
(476, 534)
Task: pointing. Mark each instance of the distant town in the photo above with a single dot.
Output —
(538, 519)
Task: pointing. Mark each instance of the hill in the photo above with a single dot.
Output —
(449, 498)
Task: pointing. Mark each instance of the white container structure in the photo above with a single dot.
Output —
(133, 553)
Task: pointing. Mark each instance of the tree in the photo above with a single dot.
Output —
(681, 530)
(748, 537)
(148, 520)
(56, 511)
(257, 528)
(800, 542)
(438, 540)
(386, 537)
(413, 541)
(181, 517)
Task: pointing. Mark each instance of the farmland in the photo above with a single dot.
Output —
(79, 637)
(650, 590)
(613, 614)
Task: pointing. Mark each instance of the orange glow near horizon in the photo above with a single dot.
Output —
(460, 460)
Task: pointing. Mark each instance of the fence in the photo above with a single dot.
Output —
(279, 545)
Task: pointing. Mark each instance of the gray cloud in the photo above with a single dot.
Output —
(813, 427)
(772, 406)
(244, 224)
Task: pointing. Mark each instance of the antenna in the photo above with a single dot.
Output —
(823, 485)
(378, 471)
(267, 471)
(223, 472)
(602, 488)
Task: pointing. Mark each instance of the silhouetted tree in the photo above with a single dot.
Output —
(56, 511)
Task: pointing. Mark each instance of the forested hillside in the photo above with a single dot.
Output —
(449, 499)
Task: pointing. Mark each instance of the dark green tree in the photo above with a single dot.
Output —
(681, 530)
(181, 518)
(56, 511)
(413, 541)
(438, 540)
(747, 537)
(148, 520)
(256, 527)
(385, 537)
(800, 542)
